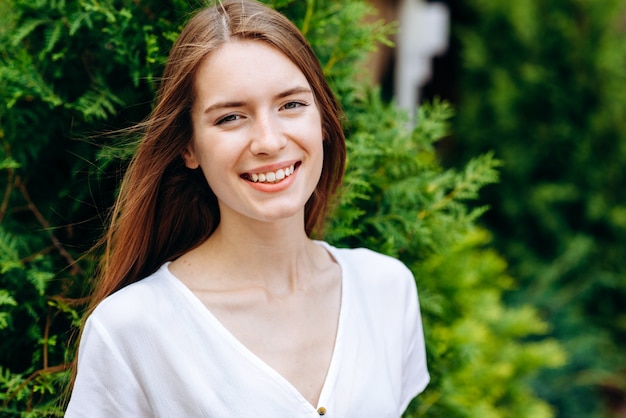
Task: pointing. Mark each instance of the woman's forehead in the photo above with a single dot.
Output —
(247, 67)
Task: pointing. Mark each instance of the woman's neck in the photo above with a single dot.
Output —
(277, 256)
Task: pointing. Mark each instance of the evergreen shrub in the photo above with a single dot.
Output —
(543, 85)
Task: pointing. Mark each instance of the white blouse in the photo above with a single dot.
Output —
(153, 349)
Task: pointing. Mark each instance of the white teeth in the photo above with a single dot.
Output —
(272, 176)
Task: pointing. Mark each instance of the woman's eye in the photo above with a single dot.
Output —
(293, 105)
(227, 118)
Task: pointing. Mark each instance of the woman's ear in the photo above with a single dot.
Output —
(189, 156)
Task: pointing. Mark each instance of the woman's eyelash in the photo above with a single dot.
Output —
(294, 104)
(227, 118)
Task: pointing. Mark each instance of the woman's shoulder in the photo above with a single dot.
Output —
(376, 283)
(367, 260)
(375, 274)
(141, 299)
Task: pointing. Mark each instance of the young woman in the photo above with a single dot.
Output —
(213, 300)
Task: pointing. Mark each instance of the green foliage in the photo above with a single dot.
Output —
(543, 86)
(72, 69)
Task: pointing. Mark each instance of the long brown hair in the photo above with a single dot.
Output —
(165, 209)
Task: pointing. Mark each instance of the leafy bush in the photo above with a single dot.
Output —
(73, 69)
(543, 86)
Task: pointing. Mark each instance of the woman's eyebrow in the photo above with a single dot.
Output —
(223, 105)
(293, 90)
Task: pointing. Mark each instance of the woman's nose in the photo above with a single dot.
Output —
(267, 136)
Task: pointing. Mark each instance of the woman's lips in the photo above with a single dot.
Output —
(271, 176)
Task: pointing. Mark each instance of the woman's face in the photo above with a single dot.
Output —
(257, 133)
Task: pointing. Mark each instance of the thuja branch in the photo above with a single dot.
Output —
(10, 185)
(46, 336)
(46, 225)
(71, 301)
(32, 257)
(310, 5)
(7, 194)
(48, 370)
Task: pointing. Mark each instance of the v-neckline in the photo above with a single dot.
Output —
(331, 373)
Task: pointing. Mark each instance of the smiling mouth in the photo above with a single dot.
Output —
(271, 176)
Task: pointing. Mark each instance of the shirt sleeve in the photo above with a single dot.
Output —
(105, 385)
(415, 375)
